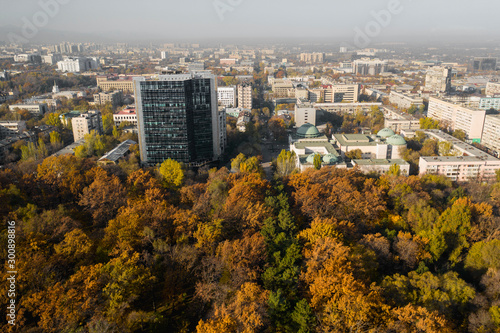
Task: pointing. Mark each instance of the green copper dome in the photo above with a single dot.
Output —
(308, 131)
(396, 140)
(385, 133)
(330, 159)
(310, 158)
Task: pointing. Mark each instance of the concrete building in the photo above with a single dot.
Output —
(113, 97)
(405, 101)
(307, 142)
(283, 89)
(342, 93)
(381, 166)
(367, 66)
(85, 123)
(243, 119)
(76, 65)
(484, 64)
(245, 96)
(385, 145)
(487, 103)
(456, 117)
(305, 113)
(126, 115)
(492, 89)
(52, 59)
(66, 118)
(226, 96)
(11, 128)
(178, 118)
(438, 79)
(347, 107)
(472, 164)
(123, 83)
(312, 58)
(36, 109)
(33, 58)
(398, 121)
(491, 133)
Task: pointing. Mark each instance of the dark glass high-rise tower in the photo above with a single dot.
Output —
(178, 118)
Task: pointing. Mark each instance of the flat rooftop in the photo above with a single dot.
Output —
(380, 162)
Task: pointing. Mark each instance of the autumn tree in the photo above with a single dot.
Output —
(172, 174)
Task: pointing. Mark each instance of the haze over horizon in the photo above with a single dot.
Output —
(200, 20)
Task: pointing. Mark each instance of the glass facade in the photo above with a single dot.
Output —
(177, 120)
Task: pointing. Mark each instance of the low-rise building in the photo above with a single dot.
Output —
(119, 152)
(126, 115)
(123, 83)
(113, 97)
(385, 145)
(11, 128)
(35, 109)
(398, 121)
(492, 89)
(472, 164)
(307, 142)
(382, 166)
(405, 101)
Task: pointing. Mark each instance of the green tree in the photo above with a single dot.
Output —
(394, 170)
(172, 174)
(355, 154)
(55, 140)
(459, 134)
(317, 161)
(286, 163)
(429, 123)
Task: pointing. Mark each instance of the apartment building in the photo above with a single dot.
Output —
(85, 123)
(245, 96)
(405, 101)
(455, 117)
(226, 96)
(472, 164)
(491, 133)
(438, 79)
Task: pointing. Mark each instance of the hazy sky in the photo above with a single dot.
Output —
(199, 19)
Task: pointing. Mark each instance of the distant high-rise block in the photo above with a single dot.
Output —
(245, 96)
(438, 79)
(484, 64)
(178, 118)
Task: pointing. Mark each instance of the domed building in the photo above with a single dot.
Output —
(385, 133)
(307, 142)
(308, 131)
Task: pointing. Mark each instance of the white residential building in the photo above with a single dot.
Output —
(473, 164)
(226, 96)
(491, 133)
(405, 101)
(492, 88)
(438, 79)
(456, 117)
(85, 123)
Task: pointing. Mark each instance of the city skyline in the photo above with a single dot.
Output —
(230, 19)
